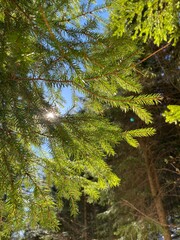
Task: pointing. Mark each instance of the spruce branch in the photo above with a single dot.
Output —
(84, 14)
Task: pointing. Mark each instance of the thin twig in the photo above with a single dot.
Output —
(152, 54)
(165, 169)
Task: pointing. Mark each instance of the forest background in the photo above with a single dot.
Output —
(81, 173)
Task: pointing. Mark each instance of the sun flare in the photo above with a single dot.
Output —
(50, 115)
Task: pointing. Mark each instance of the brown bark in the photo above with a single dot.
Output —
(156, 191)
(85, 235)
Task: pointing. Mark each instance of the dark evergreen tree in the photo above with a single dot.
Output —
(147, 201)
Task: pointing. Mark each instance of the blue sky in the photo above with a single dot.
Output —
(67, 91)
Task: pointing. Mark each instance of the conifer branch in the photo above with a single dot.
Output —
(47, 23)
(36, 185)
(84, 14)
(142, 99)
(21, 10)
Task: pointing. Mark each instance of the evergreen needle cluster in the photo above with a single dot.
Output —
(45, 46)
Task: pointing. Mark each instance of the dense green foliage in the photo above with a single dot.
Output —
(130, 207)
(173, 115)
(46, 46)
(152, 19)
(129, 210)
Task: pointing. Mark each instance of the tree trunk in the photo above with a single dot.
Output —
(85, 235)
(156, 191)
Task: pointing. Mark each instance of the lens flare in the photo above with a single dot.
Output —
(50, 115)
